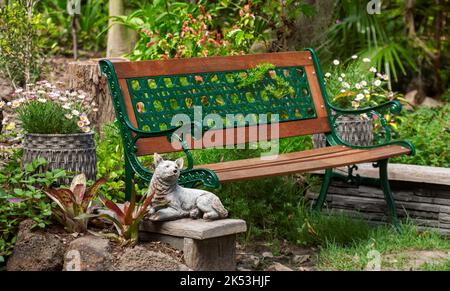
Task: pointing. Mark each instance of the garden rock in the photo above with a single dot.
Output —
(279, 267)
(88, 253)
(300, 259)
(36, 250)
(139, 258)
(426, 102)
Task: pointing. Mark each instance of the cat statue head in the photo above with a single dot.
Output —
(167, 171)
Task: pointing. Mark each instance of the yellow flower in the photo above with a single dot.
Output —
(15, 104)
(84, 118)
(80, 124)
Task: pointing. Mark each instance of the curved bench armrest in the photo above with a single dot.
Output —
(375, 112)
(394, 106)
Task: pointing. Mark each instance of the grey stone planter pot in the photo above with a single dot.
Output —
(354, 130)
(71, 152)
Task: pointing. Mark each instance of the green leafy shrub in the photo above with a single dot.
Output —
(182, 30)
(46, 110)
(22, 42)
(22, 197)
(429, 131)
(110, 162)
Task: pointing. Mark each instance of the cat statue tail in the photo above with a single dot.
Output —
(218, 206)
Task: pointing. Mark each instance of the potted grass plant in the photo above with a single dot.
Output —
(355, 84)
(57, 127)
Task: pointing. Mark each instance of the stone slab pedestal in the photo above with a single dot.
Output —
(206, 245)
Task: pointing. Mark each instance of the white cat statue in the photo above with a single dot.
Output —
(171, 201)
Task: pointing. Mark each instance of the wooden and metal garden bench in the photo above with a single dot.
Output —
(147, 94)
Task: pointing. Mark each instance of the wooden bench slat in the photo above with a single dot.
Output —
(281, 159)
(210, 64)
(297, 163)
(148, 146)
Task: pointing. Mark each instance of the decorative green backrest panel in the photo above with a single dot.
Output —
(157, 99)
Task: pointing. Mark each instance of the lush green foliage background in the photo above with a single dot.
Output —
(429, 131)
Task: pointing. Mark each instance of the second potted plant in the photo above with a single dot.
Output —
(356, 84)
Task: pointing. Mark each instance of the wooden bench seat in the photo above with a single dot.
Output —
(299, 162)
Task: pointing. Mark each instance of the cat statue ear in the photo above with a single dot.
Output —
(157, 159)
(179, 162)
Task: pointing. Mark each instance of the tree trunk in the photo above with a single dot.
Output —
(74, 36)
(86, 76)
(120, 39)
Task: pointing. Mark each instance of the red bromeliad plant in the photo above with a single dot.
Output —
(126, 219)
(74, 204)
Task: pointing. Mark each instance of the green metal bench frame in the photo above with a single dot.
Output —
(146, 125)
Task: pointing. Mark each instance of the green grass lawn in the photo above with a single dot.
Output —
(393, 248)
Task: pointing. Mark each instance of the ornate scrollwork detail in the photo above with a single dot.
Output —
(192, 177)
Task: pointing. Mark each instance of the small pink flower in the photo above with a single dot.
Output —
(84, 119)
(15, 200)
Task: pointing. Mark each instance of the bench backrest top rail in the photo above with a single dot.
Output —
(152, 92)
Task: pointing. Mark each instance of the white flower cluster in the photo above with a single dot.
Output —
(368, 84)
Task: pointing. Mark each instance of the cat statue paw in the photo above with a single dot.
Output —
(171, 201)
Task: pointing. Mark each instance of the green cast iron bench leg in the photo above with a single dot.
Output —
(384, 183)
(324, 190)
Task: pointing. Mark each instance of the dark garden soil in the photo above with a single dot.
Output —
(258, 256)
